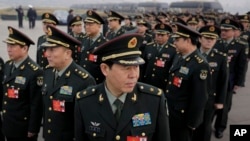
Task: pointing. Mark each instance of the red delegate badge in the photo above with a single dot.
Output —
(160, 63)
(92, 57)
(12, 93)
(177, 81)
(58, 105)
(137, 138)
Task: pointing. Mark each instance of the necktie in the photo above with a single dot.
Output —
(13, 68)
(118, 104)
(56, 78)
(204, 54)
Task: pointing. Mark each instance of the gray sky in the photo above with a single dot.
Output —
(233, 6)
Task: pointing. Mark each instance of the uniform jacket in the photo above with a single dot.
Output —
(246, 36)
(76, 54)
(41, 58)
(111, 35)
(95, 120)
(89, 61)
(237, 58)
(219, 70)
(157, 64)
(1, 80)
(22, 102)
(187, 88)
(58, 125)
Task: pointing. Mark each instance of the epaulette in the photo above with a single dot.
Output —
(151, 43)
(149, 34)
(9, 62)
(241, 42)
(172, 45)
(199, 59)
(149, 89)
(47, 67)
(85, 93)
(220, 53)
(80, 72)
(32, 65)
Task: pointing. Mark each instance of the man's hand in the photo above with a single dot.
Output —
(218, 106)
(31, 134)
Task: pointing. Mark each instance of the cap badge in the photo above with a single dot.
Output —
(47, 15)
(162, 26)
(90, 13)
(10, 31)
(77, 18)
(227, 21)
(211, 28)
(245, 17)
(49, 32)
(132, 43)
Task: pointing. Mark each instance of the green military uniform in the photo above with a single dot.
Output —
(187, 89)
(95, 119)
(1, 96)
(22, 101)
(158, 60)
(77, 20)
(113, 34)
(88, 60)
(59, 90)
(47, 18)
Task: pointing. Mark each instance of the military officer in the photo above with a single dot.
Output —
(244, 20)
(114, 22)
(121, 108)
(219, 80)
(158, 56)
(22, 100)
(128, 25)
(237, 57)
(63, 78)
(1, 96)
(187, 89)
(192, 22)
(47, 19)
(94, 38)
(76, 31)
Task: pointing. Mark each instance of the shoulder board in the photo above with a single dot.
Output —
(149, 34)
(9, 62)
(47, 67)
(151, 43)
(220, 53)
(149, 89)
(241, 42)
(199, 59)
(80, 72)
(33, 66)
(85, 93)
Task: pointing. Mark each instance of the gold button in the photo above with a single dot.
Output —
(153, 69)
(86, 59)
(167, 91)
(6, 94)
(214, 94)
(5, 102)
(84, 66)
(182, 111)
(153, 75)
(117, 137)
(94, 134)
(49, 131)
(169, 83)
(25, 118)
(4, 111)
(49, 120)
(87, 52)
(50, 108)
(143, 134)
(50, 97)
(7, 85)
(172, 74)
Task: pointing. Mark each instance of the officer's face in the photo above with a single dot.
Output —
(113, 24)
(245, 25)
(141, 28)
(58, 57)
(92, 29)
(16, 52)
(193, 26)
(119, 78)
(77, 28)
(161, 38)
(227, 33)
(207, 43)
(181, 44)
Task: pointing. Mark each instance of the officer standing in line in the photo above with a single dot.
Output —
(192, 22)
(237, 58)
(121, 108)
(158, 56)
(128, 25)
(47, 19)
(1, 96)
(187, 88)
(62, 79)
(114, 22)
(22, 100)
(219, 80)
(93, 39)
(76, 31)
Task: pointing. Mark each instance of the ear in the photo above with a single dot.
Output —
(200, 39)
(104, 68)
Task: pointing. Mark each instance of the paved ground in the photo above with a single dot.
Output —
(240, 113)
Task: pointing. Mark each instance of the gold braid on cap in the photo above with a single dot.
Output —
(16, 41)
(57, 42)
(113, 56)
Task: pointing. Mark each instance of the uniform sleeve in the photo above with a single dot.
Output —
(1, 80)
(241, 67)
(79, 125)
(199, 95)
(223, 77)
(162, 128)
(35, 102)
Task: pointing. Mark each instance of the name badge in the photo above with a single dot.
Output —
(58, 106)
(184, 70)
(13, 93)
(141, 119)
(66, 90)
(20, 80)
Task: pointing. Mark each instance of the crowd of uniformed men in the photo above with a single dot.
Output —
(161, 77)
